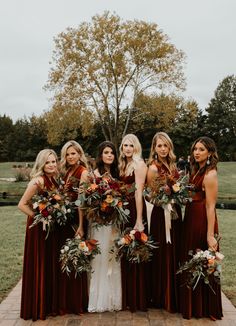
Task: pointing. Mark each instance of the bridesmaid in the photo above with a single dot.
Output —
(133, 170)
(105, 281)
(39, 297)
(162, 269)
(73, 294)
(199, 227)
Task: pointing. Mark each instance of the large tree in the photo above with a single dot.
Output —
(221, 119)
(100, 68)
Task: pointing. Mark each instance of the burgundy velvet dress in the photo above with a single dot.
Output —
(163, 282)
(41, 268)
(73, 292)
(134, 276)
(201, 302)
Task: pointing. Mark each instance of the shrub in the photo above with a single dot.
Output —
(22, 174)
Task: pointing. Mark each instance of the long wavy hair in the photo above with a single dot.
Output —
(125, 167)
(99, 162)
(63, 163)
(171, 158)
(41, 159)
(213, 156)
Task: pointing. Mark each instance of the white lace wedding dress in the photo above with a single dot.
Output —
(105, 280)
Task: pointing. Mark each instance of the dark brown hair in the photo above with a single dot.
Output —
(100, 163)
(213, 159)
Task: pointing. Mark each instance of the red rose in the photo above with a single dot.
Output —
(137, 235)
(167, 190)
(45, 212)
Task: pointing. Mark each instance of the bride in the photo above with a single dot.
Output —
(105, 280)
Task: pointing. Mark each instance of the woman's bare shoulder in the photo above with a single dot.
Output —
(37, 181)
(152, 168)
(140, 164)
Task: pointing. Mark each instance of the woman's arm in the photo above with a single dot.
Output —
(80, 230)
(30, 191)
(151, 175)
(140, 177)
(210, 184)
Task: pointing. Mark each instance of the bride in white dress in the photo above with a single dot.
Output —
(105, 280)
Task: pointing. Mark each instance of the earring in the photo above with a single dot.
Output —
(155, 156)
(123, 155)
(208, 161)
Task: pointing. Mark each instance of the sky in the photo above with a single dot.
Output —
(204, 29)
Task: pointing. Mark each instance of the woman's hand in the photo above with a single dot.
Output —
(212, 243)
(80, 232)
(139, 226)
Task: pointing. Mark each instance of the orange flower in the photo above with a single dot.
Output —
(93, 186)
(103, 206)
(42, 206)
(127, 239)
(211, 262)
(144, 237)
(109, 199)
(120, 204)
(57, 197)
(91, 244)
(106, 179)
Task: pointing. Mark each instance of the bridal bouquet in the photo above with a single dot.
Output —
(202, 266)
(134, 245)
(104, 200)
(76, 255)
(51, 208)
(169, 189)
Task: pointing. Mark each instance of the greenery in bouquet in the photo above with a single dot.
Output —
(168, 189)
(204, 265)
(134, 245)
(76, 255)
(51, 208)
(105, 200)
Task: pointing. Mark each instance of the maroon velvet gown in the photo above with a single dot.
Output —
(73, 292)
(134, 276)
(201, 302)
(163, 282)
(41, 268)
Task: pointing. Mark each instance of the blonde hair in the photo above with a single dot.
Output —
(127, 168)
(171, 156)
(63, 163)
(41, 159)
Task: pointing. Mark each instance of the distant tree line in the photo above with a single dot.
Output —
(184, 122)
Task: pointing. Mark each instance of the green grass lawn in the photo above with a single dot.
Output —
(7, 170)
(12, 225)
(227, 226)
(227, 181)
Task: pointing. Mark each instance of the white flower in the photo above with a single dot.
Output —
(68, 210)
(62, 251)
(66, 248)
(35, 205)
(219, 256)
(121, 241)
(132, 231)
(132, 236)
